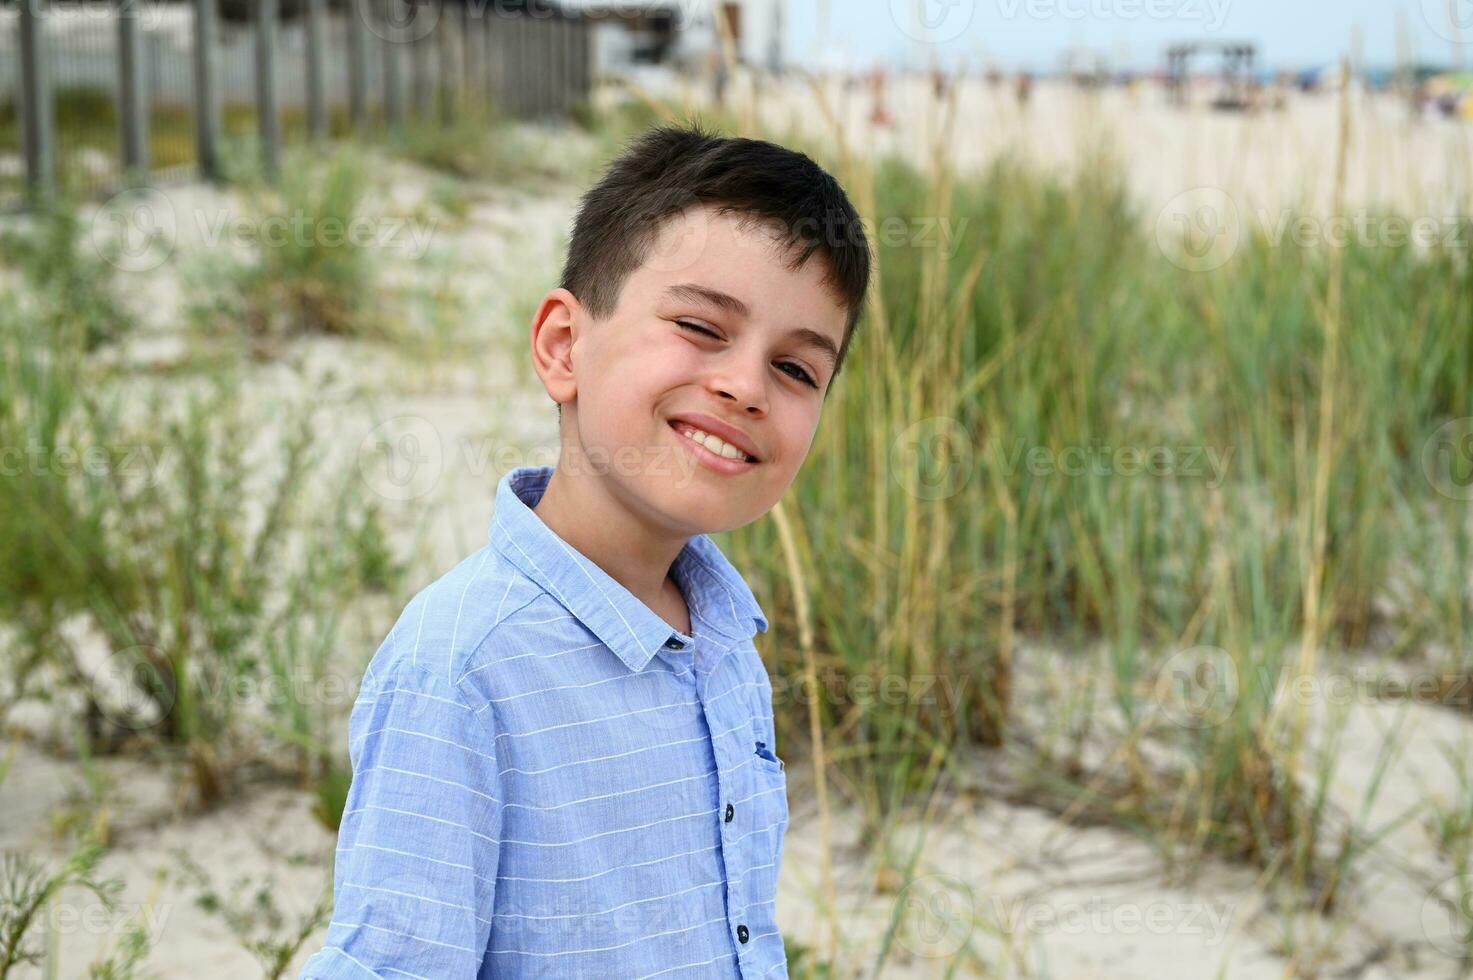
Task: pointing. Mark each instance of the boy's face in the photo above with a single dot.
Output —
(623, 381)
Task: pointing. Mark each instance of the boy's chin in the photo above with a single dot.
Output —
(695, 516)
(701, 506)
(682, 494)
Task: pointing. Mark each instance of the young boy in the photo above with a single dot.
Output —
(563, 753)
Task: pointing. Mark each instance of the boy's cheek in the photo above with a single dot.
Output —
(685, 468)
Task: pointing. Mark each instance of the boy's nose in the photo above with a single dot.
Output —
(755, 405)
(744, 386)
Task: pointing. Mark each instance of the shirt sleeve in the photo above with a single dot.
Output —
(415, 869)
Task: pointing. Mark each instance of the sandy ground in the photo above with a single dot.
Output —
(1273, 159)
(1035, 896)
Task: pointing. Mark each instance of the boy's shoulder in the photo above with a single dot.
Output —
(448, 625)
(492, 605)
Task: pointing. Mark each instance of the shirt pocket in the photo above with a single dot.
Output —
(769, 806)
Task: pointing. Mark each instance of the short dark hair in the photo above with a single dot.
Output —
(672, 168)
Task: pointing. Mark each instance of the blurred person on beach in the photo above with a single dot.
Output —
(717, 61)
(879, 114)
(1024, 88)
(564, 753)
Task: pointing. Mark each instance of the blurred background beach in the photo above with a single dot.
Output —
(1121, 618)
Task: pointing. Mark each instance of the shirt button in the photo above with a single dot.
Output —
(674, 644)
(730, 812)
(742, 934)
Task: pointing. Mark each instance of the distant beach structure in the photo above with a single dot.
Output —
(640, 34)
(1023, 88)
(879, 114)
(1236, 85)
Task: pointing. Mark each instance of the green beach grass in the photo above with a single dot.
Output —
(1196, 487)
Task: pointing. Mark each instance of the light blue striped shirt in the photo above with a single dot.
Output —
(549, 780)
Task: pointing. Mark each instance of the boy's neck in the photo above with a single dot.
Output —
(582, 512)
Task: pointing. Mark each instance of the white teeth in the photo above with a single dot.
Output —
(718, 446)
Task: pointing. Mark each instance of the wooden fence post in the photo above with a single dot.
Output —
(469, 60)
(419, 76)
(358, 13)
(494, 58)
(445, 73)
(38, 126)
(206, 104)
(316, 36)
(132, 100)
(393, 65)
(267, 125)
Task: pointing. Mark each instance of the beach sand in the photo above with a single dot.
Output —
(1034, 895)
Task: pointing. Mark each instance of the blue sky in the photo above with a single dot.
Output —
(1034, 33)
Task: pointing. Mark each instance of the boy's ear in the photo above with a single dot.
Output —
(556, 326)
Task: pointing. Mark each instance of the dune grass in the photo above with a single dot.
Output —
(1195, 487)
(161, 575)
(1051, 435)
(297, 260)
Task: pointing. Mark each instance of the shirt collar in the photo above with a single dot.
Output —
(714, 589)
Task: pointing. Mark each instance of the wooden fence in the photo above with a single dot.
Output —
(113, 93)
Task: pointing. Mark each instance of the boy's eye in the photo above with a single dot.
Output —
(802, 374)
(697, 328)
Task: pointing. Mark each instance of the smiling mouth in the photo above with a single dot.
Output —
(721, 453)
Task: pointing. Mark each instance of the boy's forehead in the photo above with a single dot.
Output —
(685, 239)
(737, 254)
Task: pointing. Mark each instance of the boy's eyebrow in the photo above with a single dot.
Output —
(692, 292)
(812, 338)
(705, 294)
